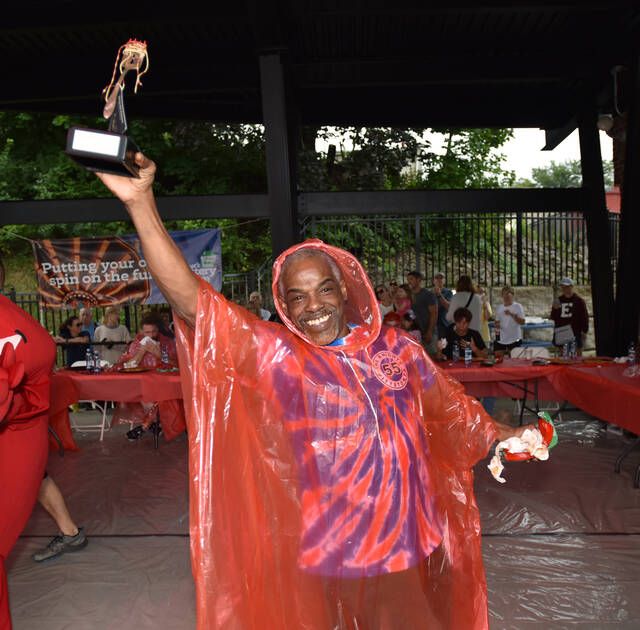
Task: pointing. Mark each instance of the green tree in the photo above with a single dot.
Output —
(196, 157)
(193, 158)
(566, 174)
(378, 158)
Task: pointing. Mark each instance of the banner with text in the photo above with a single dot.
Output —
(112, 270)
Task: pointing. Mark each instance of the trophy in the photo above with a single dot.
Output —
(112, 151)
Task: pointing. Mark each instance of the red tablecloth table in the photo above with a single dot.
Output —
(507, 378)
(602, 391)
(68, 386)
(63, 393)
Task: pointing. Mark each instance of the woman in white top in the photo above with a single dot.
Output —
(466, 297)
(385, 302)
(508, 320)
(111, 330)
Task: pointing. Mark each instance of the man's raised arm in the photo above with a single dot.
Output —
(165, 261)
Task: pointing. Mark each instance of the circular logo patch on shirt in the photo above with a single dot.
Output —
(390, 370)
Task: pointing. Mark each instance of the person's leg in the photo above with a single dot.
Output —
(23, 455)
(71, 537)
(53, 502)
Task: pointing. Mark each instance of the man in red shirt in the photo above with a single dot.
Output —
(570, 309)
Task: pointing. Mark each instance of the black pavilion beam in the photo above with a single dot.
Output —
(598, 234)
(553, 137)
(400, 202)
(426, 201)
(110, 209)
(627, 287)
(279, 132)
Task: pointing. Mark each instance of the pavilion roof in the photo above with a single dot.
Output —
(412, 63)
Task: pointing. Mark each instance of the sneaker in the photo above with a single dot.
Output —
(62, 544)
(136, 433)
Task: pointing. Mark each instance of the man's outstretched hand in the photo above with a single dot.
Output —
(505, 429)
(132, 189)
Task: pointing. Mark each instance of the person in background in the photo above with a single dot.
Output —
(460, 332)
(410, 324)
(393, 287)
(74, 338)
(146, 351)
(86, 317)
(392, 319)
(443, 296)
(466, 297)
(112, 332)
(255, 306)
(384, 300)
(402, 301)
(509, 319)
(485, 315)
(425, 308)
(570, 309)
(165, 322)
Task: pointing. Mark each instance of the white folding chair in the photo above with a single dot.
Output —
(534, 352)
(102, 406)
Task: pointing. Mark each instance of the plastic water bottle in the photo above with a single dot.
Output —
(468, 355)
(88, 357)
(97, 368)
(565, 351)
(631, 354)
(455, 352)
(573, 352)
(164, 356)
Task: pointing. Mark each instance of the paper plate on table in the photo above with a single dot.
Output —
(133, 370)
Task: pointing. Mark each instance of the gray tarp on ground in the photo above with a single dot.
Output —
(561, 539)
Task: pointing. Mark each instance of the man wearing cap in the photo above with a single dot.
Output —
(425, 308)
(570, 309)
(255, 306)
(443, 296)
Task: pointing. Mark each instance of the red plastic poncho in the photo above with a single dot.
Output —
(331, 486)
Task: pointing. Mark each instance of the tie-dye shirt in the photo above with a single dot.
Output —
(355, 423)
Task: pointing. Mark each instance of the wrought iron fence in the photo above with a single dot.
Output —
(517, 248)
(235, 286)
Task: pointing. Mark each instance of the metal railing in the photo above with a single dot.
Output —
(516, 248)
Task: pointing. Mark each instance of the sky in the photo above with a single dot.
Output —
(523, 151)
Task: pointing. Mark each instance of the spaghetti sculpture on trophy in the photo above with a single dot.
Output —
(112, 151)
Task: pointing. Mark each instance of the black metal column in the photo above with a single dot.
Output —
(627, 286)
(597, 220)
(281, 153)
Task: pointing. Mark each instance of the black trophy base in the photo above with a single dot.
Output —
(103, 151)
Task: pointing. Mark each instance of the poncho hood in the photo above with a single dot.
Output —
(361, 308)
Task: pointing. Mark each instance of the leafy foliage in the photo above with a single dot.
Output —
(563, 175)
(198, 158)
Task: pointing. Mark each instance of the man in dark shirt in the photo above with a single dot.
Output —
(425, 309)
(570, 308)
(443, 296)
(460, 333)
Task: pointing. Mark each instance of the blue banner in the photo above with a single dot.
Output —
(112, 270)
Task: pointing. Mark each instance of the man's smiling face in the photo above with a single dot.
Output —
(313, 298)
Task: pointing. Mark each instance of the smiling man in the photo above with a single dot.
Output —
(330, 461)
(312, 294)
